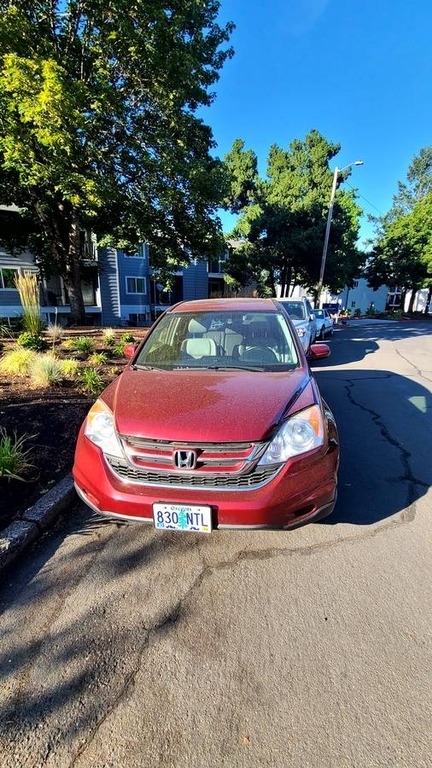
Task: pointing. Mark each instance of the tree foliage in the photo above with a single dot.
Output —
(402, 252)
(98, 126)
(283, 216)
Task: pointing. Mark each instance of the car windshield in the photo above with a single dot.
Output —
(220, 340)
(295, 309)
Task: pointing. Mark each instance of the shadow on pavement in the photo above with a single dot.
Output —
(383, 420)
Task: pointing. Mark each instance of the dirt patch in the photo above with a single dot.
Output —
(50, 419)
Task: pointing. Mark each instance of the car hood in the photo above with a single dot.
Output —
(209, 406)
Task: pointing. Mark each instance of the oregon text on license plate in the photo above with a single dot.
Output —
(182, 517)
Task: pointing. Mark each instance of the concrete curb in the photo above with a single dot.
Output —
(35, 521)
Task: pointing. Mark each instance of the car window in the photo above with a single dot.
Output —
(295, 309)
(229, 340)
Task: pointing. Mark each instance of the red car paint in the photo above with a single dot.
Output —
(223, 416)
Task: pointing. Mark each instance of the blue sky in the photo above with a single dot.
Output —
(358, 71)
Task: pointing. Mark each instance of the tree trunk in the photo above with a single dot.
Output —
(428, 301)
(73, 274)
(412, 298)
(272, 282)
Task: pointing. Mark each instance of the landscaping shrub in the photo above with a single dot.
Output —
(108, 336)
(33, 341)
(45, 371)
(28, 288)
(14, 456)
(91, 381)
(98, 358)
(55, 332)
(127, 338)
(69, 367)
(16, 362)
(83, 344)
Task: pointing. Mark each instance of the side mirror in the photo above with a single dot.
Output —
(129, 350)
(319, 351)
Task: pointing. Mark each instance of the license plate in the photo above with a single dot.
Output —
(182, 517)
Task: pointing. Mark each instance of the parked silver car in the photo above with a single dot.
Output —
(303, 318)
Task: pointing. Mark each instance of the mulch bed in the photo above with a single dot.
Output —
(50, 419)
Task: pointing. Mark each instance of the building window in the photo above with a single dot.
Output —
(134, 254)
(216, 288)
(136, 285)
(7, 278)
(136, 319)
(216, 265)
(158, 293)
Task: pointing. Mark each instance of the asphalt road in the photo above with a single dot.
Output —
(121, 646)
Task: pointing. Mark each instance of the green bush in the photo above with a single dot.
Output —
(83, 344)
(17, 361)
(14, 456)
(98, 358)
(91, 381)
(127, 338)
(32, 341)
(118, 350)
(108, 335)
(69, 367)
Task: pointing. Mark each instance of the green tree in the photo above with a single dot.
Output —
(98, 126)
(418, 183)
(402, 256)
(402, 249)
(283, 216)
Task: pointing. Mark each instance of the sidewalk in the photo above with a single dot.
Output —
(35, 521)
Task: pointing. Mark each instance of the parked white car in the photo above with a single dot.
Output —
(324, 323)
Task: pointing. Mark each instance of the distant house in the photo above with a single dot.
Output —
(362, 297)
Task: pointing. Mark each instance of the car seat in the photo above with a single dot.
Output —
(199, 347)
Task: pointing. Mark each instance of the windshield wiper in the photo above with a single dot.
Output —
(137, 367)
(235, 368)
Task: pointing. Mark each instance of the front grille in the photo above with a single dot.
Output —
(227, 481)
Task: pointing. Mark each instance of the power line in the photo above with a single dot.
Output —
(363, 198)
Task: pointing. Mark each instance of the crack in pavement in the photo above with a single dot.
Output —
(421, 374)
(405, 455)
(172, 617)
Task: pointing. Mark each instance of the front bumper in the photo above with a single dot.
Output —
(303, 491)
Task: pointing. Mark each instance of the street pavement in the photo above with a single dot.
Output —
(125, 647)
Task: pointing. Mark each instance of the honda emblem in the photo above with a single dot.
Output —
(185, 459)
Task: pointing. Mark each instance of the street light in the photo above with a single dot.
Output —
(337, 171)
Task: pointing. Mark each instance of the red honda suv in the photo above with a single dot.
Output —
(216, 422)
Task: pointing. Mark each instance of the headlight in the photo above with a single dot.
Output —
(299, 434)
(99, 428)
